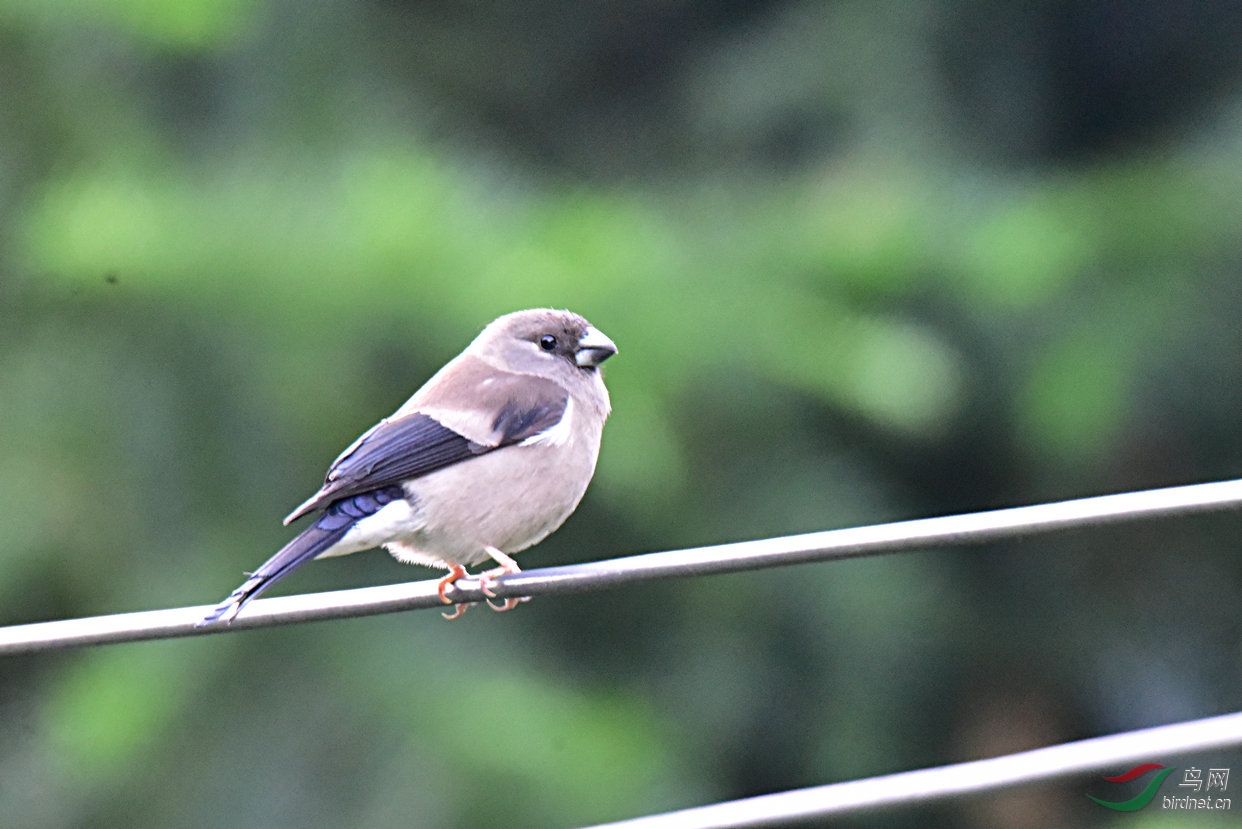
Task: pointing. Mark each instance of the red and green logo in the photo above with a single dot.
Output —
(1144, 797)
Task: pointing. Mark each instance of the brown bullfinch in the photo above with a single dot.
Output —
(486, 459)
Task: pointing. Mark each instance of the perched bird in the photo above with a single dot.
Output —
(486, 459)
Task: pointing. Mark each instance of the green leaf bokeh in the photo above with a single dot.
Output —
(863, 262)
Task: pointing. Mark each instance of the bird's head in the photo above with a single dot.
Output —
(547, 342)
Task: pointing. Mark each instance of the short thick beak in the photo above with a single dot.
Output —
(594, 348)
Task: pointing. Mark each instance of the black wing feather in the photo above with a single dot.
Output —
(516, 422)
(397, 450)
(392, 452)
(403, 448)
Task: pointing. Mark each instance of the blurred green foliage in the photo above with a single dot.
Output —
(864, 261)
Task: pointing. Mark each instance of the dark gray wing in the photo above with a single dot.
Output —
(392, 451)
(519, 420)
(410, 446)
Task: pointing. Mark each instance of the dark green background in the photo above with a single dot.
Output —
(865, 261)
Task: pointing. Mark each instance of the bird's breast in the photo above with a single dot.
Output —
(510, 498)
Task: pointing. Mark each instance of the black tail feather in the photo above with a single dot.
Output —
(329, 528)
(314, 540)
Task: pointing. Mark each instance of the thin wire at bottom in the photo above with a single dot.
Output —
(1112, 753)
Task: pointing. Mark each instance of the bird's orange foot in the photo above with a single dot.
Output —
(456, 571)
(487, 579)
(509, 604)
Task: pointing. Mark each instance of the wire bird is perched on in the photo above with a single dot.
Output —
(486, 459)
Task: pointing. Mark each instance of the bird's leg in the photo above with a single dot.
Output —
(507, 566)
(456, 571)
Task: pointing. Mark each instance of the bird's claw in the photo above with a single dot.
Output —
(456, 571)
(509, 604)
(488, 579)
(486, 582)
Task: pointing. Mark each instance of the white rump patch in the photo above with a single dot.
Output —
(394, 520)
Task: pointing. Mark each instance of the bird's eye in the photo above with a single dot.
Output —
(547, 342)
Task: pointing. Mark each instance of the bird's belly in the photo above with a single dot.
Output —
(495, 500)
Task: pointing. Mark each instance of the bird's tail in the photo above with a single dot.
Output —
(314, 540)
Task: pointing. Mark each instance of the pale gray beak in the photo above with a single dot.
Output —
(594, 348)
